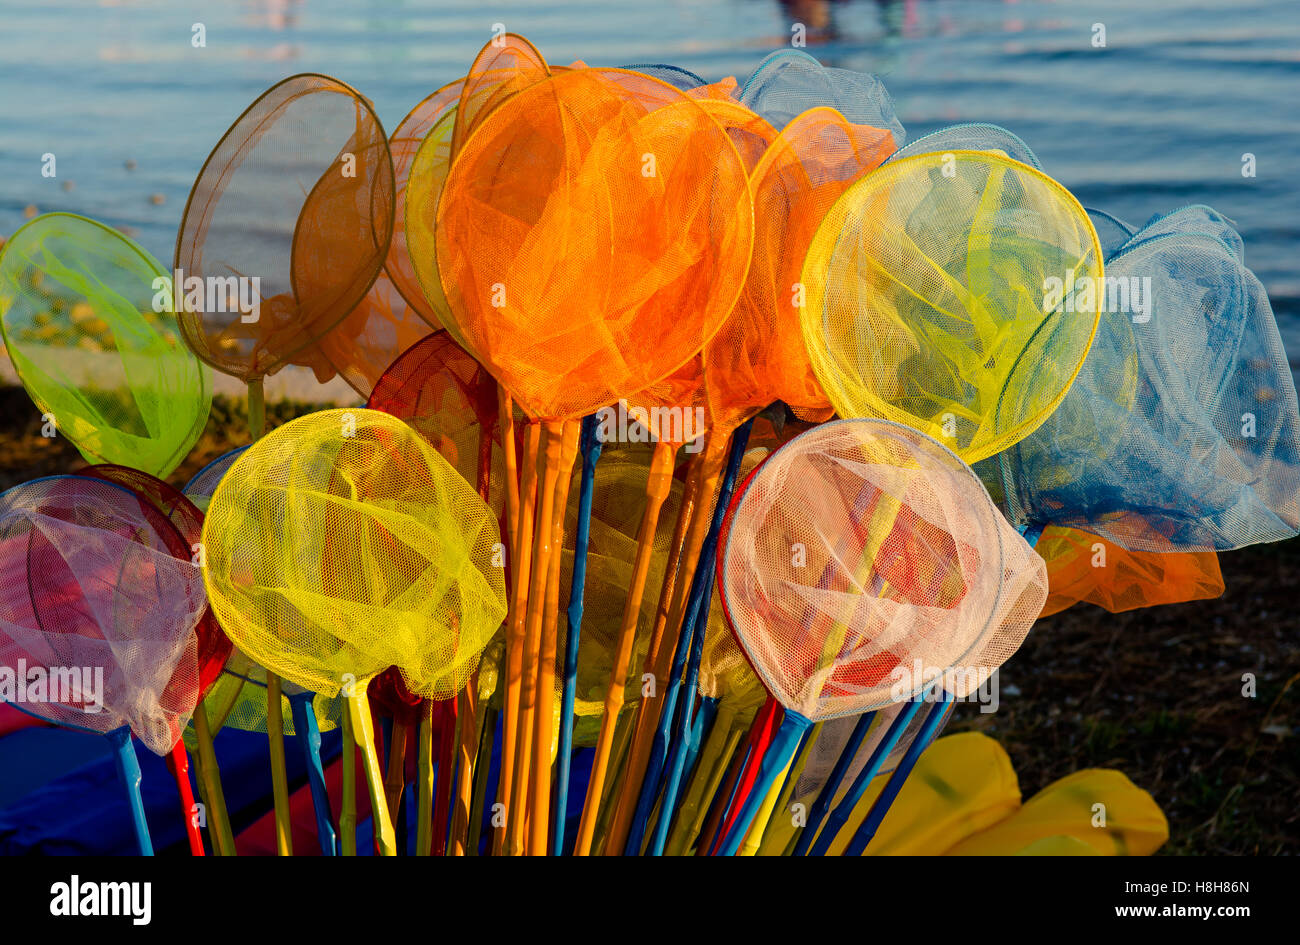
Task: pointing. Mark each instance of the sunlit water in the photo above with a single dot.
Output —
(1158, 118)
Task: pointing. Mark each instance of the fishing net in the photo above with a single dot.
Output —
(501, 69)
(341, 544)
(864, 558)
(947, 292)
(504, 67)
(789, 82)
(94, 581)
(1112, 232)
(79, 321)
(1182, 432)
(1196, 218)
(362, 346)
(811, 163)
(428, 175)
(389, 696)
(1083, 567)
(298, 194)
(970, 136)
(833, 739)
(404, 145)
(213, 647)
(452, 402)
(618, 501)
(556, 311)
(200, 488)
(724, 672)
(237, 699)
(675, 76)
(715, 391)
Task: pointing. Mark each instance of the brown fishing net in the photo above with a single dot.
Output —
(298, 195)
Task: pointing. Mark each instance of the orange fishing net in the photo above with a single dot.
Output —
(502, 68)
(570, 317)
(715, 390)
(362, 346)
(1083, 567)
(804, 171)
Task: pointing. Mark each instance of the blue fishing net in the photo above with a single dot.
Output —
(675, 76)
(1181, 433)
(970, 136)
(789, 82)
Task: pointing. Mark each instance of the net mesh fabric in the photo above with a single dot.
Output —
(404, 145)
(78, 321)
(428, 175)
(94, 578)
(863, 555)
(1197, 218)
(789, 82)
(502, 68)
(595, 215)
(816, 157)
(200, 488)
(237, 698)
(973, 136)
(362, 346)
(342, 543)
(719, 385)
(389, 696)
(929, 302)
(618, 501)
(299, 194)
(213, 647)
(831, 742)
(1182, 431)
(450, 400)
(1088, 568)
(675, 76)
(724, 670)
(1112, 232)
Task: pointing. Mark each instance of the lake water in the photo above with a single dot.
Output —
(1159, 118)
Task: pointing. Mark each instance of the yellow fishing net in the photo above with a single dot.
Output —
(502, 68)
(954, 293)
(342, 544)
(405, 145)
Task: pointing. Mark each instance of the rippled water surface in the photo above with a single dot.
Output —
(1158, 118)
